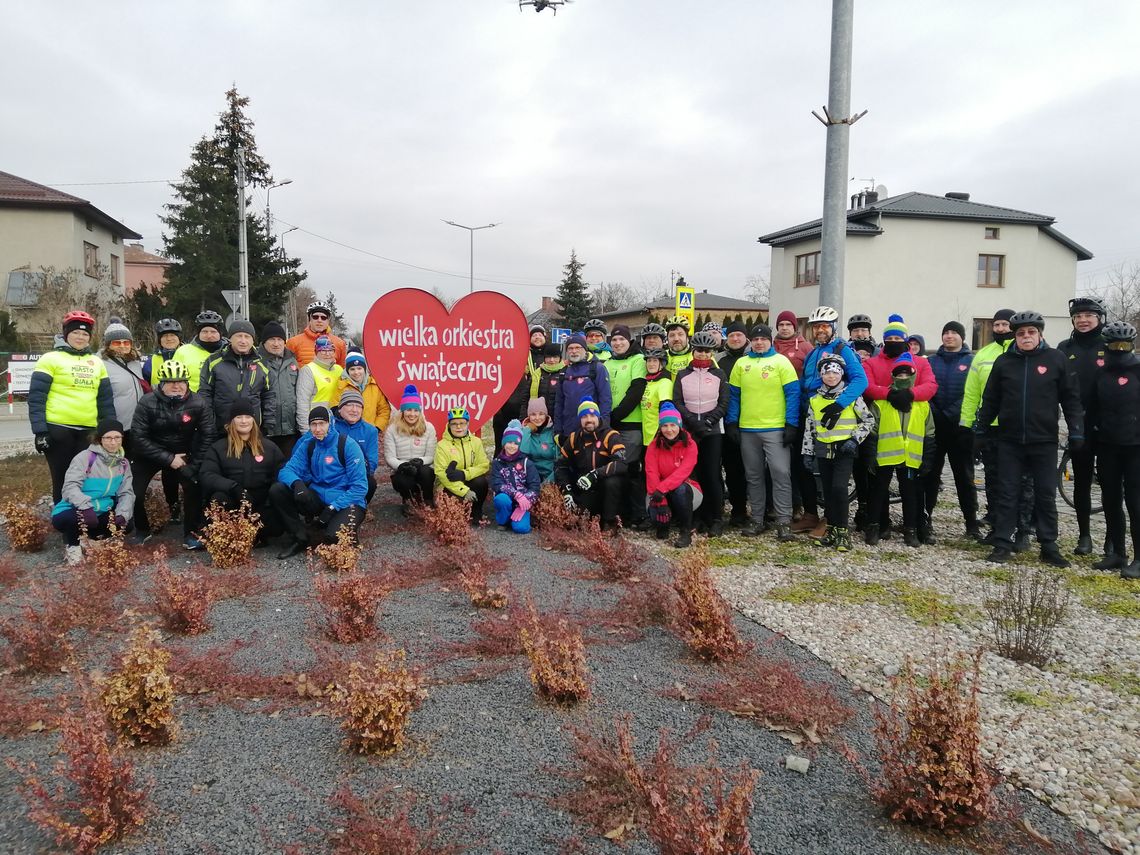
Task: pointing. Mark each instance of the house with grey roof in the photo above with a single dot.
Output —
(933, 259)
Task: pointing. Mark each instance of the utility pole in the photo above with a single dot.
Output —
(243, 258)
(838, 123)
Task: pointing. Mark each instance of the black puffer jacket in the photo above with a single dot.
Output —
(220, 473)
(163, 427)
(1114, 400)
(1023, 393)
(227, 378)
(1085, 352)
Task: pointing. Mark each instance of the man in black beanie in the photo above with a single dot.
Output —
(735, 345)
(951, 367)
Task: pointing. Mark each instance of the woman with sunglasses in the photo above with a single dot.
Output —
(304, 343)
(125, 369)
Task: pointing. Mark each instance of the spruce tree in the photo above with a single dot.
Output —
(203, 227)
(574, 295)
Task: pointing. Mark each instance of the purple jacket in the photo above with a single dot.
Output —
(580, 380)
(515, 475)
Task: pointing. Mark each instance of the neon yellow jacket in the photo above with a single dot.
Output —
(69, 388)
(467, 453)
(656, 390)
(978, 377)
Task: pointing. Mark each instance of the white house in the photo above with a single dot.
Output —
(933, 259)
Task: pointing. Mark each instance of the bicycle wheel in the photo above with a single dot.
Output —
(1065, 483)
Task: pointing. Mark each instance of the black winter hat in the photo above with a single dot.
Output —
(761, 331)
(1003, 314)
(552, 349)
(106, 426)
(242, 407)
(272, 330)
(955, 327)
(736, 326)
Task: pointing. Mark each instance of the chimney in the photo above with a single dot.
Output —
(961, 197)
(872, 197)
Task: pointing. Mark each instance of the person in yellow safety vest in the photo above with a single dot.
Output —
(168, 332)
(680, 354)
(835, 449)
(318, 382)
(658, 388)
(205, 344)
(904, 447)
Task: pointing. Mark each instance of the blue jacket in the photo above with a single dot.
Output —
(368, 436)
(856, 376)
(581, 380)
(514, 476)
(337, 485)
(951, 371)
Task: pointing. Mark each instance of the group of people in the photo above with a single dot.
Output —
(651, 432)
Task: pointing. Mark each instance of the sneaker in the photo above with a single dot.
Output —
(192, 543)
(1084, 545)
(926, 535)
(842, 540)
(974, 532)
(294, 548)
(73, 555)
(176, 512)
(784, 533)
(643, 524)
(1112, 561)
(1132, 571)
(139, 537)
(910, 538)
(754, 529)
(738, 521)
(828, 540)
(871, 535)
(999, 555)
(1052, 556)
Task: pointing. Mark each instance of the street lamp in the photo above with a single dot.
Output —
(292, 301)
(268, 213)
(472, 230)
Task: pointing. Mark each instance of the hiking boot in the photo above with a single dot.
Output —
(1022, 543)
(999, 555)
(842, 540)
(1052, 556)
(885, 531)
(73, 555)
(871, 535)
(1132, 571)
(738, 521)
(662, 532)
(716, 528)
(910, 538)
(926, 534)
(684, 540)
(806, 523)
(296, 547)
(176, 512)
(1084, 545)
(828, 540)
(754, 529)
(820, 530)
(974, 532)
(1112, 561)
(784, 532)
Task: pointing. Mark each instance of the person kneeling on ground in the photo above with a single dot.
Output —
(591, 469)
(538, 439)
(835, 449)
(97, 490)
(515, 482)
(461, 463)
(409, 441)
(243, 466)
(669, 462)
(350, 422)
(323, 480)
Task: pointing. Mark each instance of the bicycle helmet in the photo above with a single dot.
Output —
(1027, 319)
(677, 321)
(318, 306)
(711, 326)
(703, 341)
(167, 325)
(655, 353)
(208, 318)
(173, 371)
(823, 315)
(458, 413)
(1086, 304)
(1119, 331)
(858, 321)
(652, 329)
(78, 320)
(831, 359)
(595, 325)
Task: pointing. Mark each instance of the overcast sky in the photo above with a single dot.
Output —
(649, 136)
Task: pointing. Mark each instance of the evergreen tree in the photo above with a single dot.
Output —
(203, 227)
(749, 323)
(574, 295)
(725, 321)
(336, 317)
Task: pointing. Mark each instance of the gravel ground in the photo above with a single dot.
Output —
(1069, 733)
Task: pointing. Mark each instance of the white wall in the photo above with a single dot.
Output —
(36, 238)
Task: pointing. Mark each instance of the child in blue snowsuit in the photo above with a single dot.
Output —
(515, 481)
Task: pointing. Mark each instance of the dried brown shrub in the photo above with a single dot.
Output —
(10, 571)
(382, 825)
(27, 530)
(685, 810)
(92, 601)
(94, 798)
(109, 557)
(929, 742)
(37, 634)
(183, 600)
(157, 511)
(376, 700)
(350, 606)
(550, 512)
(477, 564)
(557, 657)
(22, 712)
(229, 535)
(448, 522)
(1023, 617)
(212, 676)
(139, 695)
(704, 618)
(343, 555)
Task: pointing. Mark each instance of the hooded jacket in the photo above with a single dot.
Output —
(879, 377)
(1113, 416)
(69, 388)
(827, 450)
(283, 381)
(367, 437)
(220, 473)
(727, 358)
(165, 426)
(467, 453)
(951, 370)
(796, 349)
(856, 383)
(377, 410)
(316, 384)
(337, 485)
(194, 354)
(1023, 393)
(228, 377)
(550, 377)
(581, 380)
(98, 480)
(515, 475)
(127, 386)
(668, 465)
(540, 447)
(304, 346)
(1086, 353)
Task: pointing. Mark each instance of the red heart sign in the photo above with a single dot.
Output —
(472, 356)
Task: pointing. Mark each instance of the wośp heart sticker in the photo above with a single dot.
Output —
(472, 356)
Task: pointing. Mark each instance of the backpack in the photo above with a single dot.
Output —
(340, 440)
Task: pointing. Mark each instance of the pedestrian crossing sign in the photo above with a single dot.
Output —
(684, 300)
(686, 305)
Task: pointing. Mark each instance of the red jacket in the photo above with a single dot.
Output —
(796, 349)
(668, 468)
(878, 370)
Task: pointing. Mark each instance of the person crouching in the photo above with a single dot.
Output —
(669, 462)
(591, 469)
(515, 481)
(461, 463)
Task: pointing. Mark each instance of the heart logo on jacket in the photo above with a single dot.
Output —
(1041, 369)
(1100, 363)
(961, 367)
(185, 418)
(329, 459)
(1122, 380)
(258, 457)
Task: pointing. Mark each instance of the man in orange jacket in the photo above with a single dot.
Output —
(303, 344)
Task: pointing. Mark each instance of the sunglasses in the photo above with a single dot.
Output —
(317, 317)
(122, 341)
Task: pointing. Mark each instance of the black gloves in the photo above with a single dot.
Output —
(790, 435)
(327, 513)
(900, 399)
(979, 444)
(299, 489)
(407, 469)
(453, 472)
(732, 431)
(830, 415)
(849, 448)
(415, 462)
(43, 443)
(1076, 444)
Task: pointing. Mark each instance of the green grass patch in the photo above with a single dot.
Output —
(740, 552)
(923, 605)
(1040, 700)
(1120, 682)
(23, 472)
(1000, 575)
(1105, 593)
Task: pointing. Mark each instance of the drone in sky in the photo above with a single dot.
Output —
(539, 5)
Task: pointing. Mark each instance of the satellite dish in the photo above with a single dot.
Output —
(881, 189)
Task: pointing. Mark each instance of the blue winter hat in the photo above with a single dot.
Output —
(355, 359)
(577, 338)
(905, 362)
(588, 407)
(668, 414)
(895, 328)
(513, 433)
